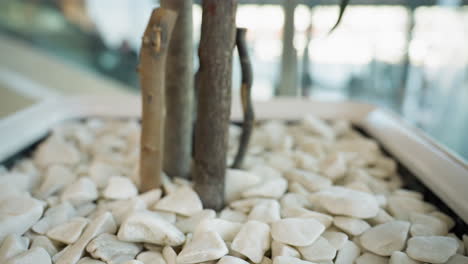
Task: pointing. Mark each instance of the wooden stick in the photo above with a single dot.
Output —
(179, 92)
(246, 88)
(152, 73)
(214, 100)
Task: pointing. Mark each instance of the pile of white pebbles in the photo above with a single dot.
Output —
(310, 192)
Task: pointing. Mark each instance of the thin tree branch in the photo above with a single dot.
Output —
(246, 97)
(152, 74)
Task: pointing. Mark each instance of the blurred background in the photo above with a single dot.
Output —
(408, 56)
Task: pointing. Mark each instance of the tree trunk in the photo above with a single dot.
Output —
(179, 92)
(288, 75)
(152, 74)
(246, 92)
(214, 100)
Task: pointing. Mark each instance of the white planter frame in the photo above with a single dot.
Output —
(439, 169)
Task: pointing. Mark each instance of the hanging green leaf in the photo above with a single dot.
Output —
(343, 5)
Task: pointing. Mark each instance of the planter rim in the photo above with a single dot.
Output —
(438, 168)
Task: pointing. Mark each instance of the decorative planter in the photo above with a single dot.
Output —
(436, 167)
(423, 165)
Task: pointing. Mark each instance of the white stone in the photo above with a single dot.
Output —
(231, 260)
(432, 249)
(170, 256)
(305, 161)
(80, 192)
(121, 209)
(369, 258)
(399, 257)
(18, 214)
(55, 150)
(311, 181)
(294, 212)
(320, 250)
(120, 188)
(245, 205)
(334, 166)
(205, 246)
(108, 248)
(386, 238)
(381, 218)
(33, 256)
(294, 200)
(343, 201)
(445, 218)
(45, 243)
(336, 239)
(54, 216)
(457, 259)
(184, 201)
(289, 260)
(68, 232)
(366, 150)
(237, 181)
(100, 172)
(168, 216)
(317, 126)
(297, 231)
(273, 188)
(280, 161)
(253, 240)
(226, 229)
(189, 224)
(265, 172)
(351, 226)
(151, 197)
(402, 207)
(56, 177)
(408, 193)
(85, 209)
(151, 257)
(103, 223)
(167, 184)
(461, 245)
(13, 245)
(87, 260)
(348, 253)
(145, 226)
(233, 215)
(295, 187)
(281, 249)
(266, 260)
(15, 182)
(133, 261)
(426, 225)
(266, 211)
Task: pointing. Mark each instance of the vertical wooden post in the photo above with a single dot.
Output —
(152, 73)
(179, 92)
(214, 100)
(288, 75)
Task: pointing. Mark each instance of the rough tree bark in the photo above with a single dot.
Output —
(288, 75)
(214, 100)
(152, 74)
(179, 92)
(247, 106)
